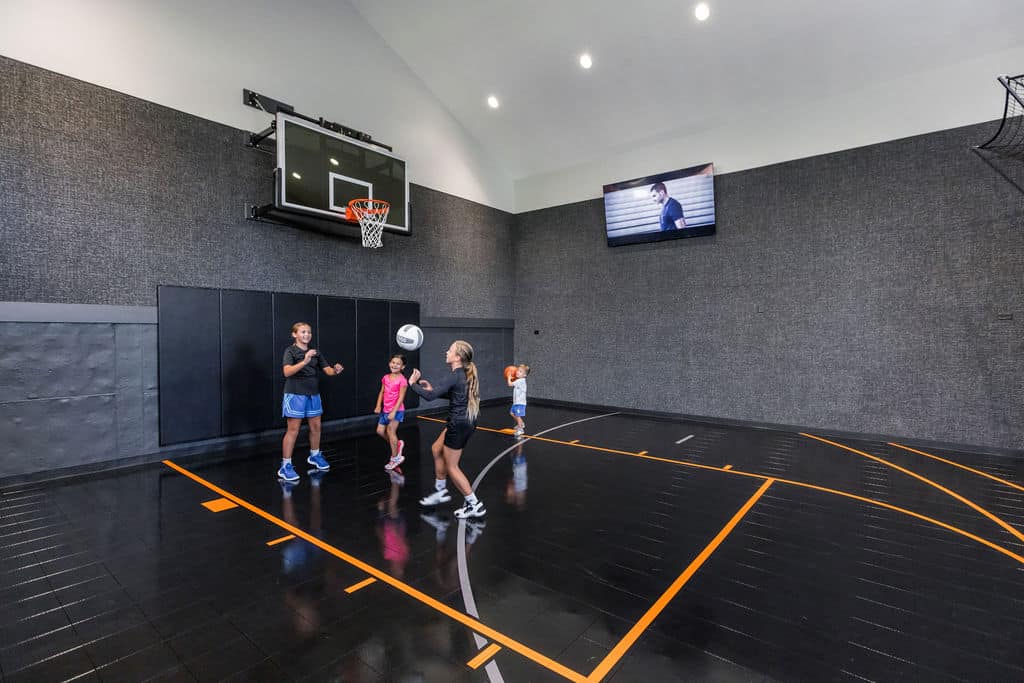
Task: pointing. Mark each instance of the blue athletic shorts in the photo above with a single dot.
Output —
(399, 416)
(301, 405)
(518, 409)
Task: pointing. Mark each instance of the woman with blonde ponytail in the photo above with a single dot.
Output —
(462, 389)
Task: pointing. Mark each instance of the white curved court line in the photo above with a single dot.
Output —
(493, 674)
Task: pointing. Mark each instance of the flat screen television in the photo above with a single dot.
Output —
(659, 207)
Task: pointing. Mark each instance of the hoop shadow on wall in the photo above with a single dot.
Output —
(219, 355)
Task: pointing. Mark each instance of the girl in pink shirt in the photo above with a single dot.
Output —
(391, 407)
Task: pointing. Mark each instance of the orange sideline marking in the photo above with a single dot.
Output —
(219, 505)
(634, 633)
(963, 467)
(484, 655)
(362, 584)
(824, 489)
(974, 506)
(464, 619)
(575, 441)
(642, 453)
(281, 540)
(727, 467)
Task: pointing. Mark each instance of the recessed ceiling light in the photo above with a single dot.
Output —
(296, 176)
(334, 162)
(492, 102)
(585, 61)
(702, 11)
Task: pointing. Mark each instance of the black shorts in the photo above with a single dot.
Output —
(458, 434)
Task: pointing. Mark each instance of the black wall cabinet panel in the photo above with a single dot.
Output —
(373, 349)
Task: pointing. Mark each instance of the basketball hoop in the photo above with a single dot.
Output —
(372, 214)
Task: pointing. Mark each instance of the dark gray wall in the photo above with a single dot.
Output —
(854, 291)
(105, 197)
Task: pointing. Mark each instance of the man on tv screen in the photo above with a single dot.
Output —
(671, 210)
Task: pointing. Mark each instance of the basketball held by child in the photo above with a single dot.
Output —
(510, 372)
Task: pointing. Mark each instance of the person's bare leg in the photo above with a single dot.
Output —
(290, 436)
(437, 449)
(451, 462)
(314, 433)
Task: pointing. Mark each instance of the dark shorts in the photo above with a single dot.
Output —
(458, 434)
(383, 419)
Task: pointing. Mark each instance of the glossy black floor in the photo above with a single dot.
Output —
(615, 547)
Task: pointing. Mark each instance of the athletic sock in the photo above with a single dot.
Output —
(440, 484)
(471, 499)
(286, 461)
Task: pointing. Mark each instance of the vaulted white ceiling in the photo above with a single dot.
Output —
(658, 72)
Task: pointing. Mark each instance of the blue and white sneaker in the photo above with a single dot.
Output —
(287, 473)
(319, 461)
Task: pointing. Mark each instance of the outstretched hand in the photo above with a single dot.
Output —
(338, 367)
(415, 376)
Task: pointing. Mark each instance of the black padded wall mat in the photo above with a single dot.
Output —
(189, 365)
(246, 351)
(220, 355)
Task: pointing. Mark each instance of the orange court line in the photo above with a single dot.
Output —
(642, 453)
(475, 624)
(963, 467)
(974, 506)
(575, 441)
(281, 540)
(727, 467)
(634, 633)
(362, 584)
(484, 655)
(219, 505)
(824, 489)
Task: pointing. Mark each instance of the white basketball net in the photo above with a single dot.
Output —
(372, 214)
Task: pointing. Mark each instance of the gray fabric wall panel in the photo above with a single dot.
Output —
(49, 434)
(51, 360)
(856, 291)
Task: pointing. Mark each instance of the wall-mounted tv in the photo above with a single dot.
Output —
(661, 207)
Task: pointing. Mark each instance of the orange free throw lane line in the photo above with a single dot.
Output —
(464, 619)
(824, 489)
(963, 467)
(484, 655)
(974, 506)
(634, 633)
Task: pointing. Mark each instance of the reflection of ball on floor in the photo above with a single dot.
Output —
(409, 337)
(510, 372)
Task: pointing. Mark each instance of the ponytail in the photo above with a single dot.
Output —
(473, 389)
(465, 354)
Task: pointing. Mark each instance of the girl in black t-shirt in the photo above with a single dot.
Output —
(462, 389)
(302, 399)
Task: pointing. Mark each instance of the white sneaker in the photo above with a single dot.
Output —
(471, 510)
(394, 462)
(518, 433)
(436, 498)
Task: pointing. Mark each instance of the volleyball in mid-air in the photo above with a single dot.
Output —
(409, 337)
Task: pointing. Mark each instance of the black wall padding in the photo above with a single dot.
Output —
(246, 351)
(403, 312)
(189, 370)
(336, 331)
(373, 347)
(220, 356)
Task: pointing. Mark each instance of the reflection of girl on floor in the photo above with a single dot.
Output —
(391, 531)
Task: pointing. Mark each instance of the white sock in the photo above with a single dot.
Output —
(286, 461)
(471, 499)
(440, 484)
(312, 452)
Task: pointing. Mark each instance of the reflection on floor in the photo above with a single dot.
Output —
(615, 547)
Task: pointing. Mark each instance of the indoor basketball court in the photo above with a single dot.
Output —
(385, 341)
